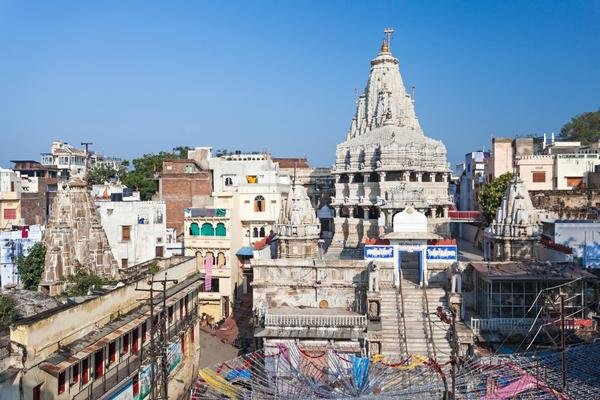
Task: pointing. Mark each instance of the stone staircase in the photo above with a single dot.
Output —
(392, 327)
(415, 333)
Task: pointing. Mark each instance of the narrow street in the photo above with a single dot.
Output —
(468, 252)
(213, 351)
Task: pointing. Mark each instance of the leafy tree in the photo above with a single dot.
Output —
(491, 196)
(145, 169)
(83, 281)
(97, 175)
(584, 127)
(31, 267)
(8, 313)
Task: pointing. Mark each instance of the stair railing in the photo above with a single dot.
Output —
(401, 332)
(428, 325)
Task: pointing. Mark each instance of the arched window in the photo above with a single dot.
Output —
(207, 230)
(220, 230)
(228, 181)
(199, 261)
(209, 258)
(262, 232)
(255, 232)
(194, 229)
(220, 259)
(259, 204)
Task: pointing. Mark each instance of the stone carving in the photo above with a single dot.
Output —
(75, 239)
(386, 131)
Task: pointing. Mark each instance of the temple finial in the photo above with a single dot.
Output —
(387, 40)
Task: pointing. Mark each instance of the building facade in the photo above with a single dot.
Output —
(386, 162)
(10, 199)
(101, 346)
(39, 187)
(136, 230)
(15, 244)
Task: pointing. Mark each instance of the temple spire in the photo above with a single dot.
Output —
(387, 40)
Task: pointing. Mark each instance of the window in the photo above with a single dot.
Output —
(99, 364)
(126, 343)
(255, 232)
(180, 309)
(124, 263)
(182, 337)
(171, 314)
(37, 392)
(75, 373)
(61, 382)
(10, 213)
(574, 181)
(125, 233)
(220, 259)
(159, 251)
(207, 229)
(192, 334)
(136, 385)
(251, 179)
(134, 341)
(194, 229)
(538, 177)
(221, 230)
(228, 181)
(112, 352)
(259, 204)
(12, 186)
(144, 329)
(262, 232)
(85, 370)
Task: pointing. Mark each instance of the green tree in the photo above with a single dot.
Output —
(31, 267)
(97, 175)
(146, 168)
(491, 195)
(584, 127)
(8, 313)
(82, 281)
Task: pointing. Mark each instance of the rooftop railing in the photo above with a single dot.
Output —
(300, 320)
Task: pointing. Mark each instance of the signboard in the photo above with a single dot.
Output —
(442, 253)
(146, 380)
(174, 354)
(379, 253)
(125, 393)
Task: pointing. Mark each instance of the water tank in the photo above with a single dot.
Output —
(116, 197)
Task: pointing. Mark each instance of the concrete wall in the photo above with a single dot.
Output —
(147, 220)
(573, 166)
(501, 159)
(42, 336)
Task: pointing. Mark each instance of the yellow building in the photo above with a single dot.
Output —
(10, 198)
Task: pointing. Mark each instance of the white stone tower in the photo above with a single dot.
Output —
(386, 162)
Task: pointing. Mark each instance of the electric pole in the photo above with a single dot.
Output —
(562, 341)
(161, 347)
(87, 156)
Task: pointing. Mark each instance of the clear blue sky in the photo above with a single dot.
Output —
(144, 76)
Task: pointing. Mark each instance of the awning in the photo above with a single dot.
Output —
(245, 251)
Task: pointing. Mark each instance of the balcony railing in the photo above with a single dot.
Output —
(316, 320)
(115, 375)
(516, 325)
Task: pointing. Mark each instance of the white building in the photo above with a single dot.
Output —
(72, 161)
(136, 230)
(472, 179)
(571, 170)
(14, 244)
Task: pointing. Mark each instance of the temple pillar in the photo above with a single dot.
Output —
(432, 211)
(382, 176)
(366, 178)
(419, 176)
(366, 213)
(350, 211)
(406, 176)
(446, 211)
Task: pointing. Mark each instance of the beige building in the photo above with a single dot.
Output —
(10, 198)
(99, 346)
(207, 237)
(536, 171)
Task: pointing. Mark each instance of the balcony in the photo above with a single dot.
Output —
(216, 242)
(329, 320)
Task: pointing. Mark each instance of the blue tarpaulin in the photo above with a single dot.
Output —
(238, 373)
(360, 371)
(245, 251)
